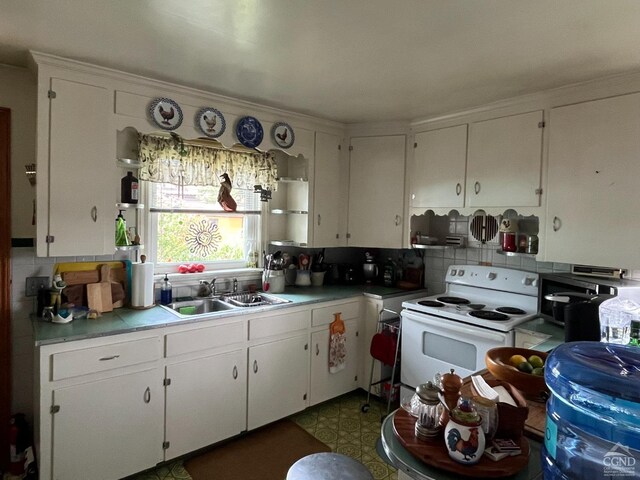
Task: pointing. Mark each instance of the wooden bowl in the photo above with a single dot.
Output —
(497, 360)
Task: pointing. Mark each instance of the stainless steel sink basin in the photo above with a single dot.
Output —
(252, 299)
(199, 306)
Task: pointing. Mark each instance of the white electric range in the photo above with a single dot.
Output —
(478, 311)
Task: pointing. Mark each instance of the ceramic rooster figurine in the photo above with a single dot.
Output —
(224, 195)
(468, 448)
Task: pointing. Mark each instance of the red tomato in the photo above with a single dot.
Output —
(183, 269)
(192, 268)
(200, 267)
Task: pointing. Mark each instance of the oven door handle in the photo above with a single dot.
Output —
(450, 326)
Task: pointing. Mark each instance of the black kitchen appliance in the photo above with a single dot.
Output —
(574, 286)
(581, 319)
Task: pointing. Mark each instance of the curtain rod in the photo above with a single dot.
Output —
(210, 143)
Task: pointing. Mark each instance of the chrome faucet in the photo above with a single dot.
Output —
(213, 287)
(235, 285)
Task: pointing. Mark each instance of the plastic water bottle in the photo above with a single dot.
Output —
(166, 291)
(616, 317)
(592, 428)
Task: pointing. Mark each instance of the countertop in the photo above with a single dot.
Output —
(539, 326)
(125, 320)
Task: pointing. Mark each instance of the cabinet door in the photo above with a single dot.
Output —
(439, 162)
(504, 161)
(205, 401)
(108, 429)
(326, 385)
(278, 379)
(592, 200)
(327, 199)
(376, 191)
(82, 178)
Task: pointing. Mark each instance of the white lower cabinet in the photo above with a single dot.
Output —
(205, 401)
(324, 384)
(107, 429)
(278, 379)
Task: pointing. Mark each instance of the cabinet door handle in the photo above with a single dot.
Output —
(476, 187)
(235, 372)
(319, 219)
(398, 220)
(112, 357)
(317, 349)
(147, 395)
(458, 189)
(94, 214)
(557, 223)
(255, 366)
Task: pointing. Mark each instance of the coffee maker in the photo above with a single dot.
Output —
(581, 319)
(369, 268)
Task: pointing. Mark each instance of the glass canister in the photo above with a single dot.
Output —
(429, 411)
(592, 428)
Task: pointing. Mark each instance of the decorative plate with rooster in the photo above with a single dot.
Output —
(249, 132)
(165, 113)
(210, 122)
(282, 134)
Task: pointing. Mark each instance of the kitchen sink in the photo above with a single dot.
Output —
(199, 306)
(252, 299)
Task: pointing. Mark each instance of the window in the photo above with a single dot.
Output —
(187, 225)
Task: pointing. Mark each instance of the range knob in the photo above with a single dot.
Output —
(535, 282)
(453, 272)
(460, 273)
(527, 281)
(492, 275)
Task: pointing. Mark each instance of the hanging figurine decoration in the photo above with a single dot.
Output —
(265, 194)
(224, 195)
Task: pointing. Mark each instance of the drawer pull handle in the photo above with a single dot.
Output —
(255, 366)
(556, 224)
(112, 357)
(458, 189)
(398, 220)
(94, 214)
(319, 219)
(147, 395)
(235, 372)
(476, 187)
(317, 350)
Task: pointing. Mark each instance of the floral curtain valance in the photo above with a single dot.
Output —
(169, 160)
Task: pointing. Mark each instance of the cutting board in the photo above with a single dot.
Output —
(84, 273)
(99, 294)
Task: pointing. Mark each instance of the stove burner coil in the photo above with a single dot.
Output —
(453, 300)
(511, 310)
(488, 315)
(430, 303)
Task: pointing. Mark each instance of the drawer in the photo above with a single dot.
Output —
(75, 363)
(325, 315)
(278, 324)
(204, 338)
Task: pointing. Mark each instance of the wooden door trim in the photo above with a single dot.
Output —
(5, 284)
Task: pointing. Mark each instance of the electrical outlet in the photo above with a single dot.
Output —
(34, 284)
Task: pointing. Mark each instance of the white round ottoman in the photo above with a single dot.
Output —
(328, 466)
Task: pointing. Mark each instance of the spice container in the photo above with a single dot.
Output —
(532, 244)
(429, 411)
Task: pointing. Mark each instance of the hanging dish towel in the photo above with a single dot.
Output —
(337, 345)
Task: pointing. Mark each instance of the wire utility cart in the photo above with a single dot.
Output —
(385, 348)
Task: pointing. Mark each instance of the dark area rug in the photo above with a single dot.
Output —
(264, 454)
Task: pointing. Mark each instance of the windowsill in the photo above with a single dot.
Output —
(182, 279)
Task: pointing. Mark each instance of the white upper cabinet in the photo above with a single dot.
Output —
(376, 191)
(328, 200)
(437, 177)
(592, 201)
(504, 161)
(76, 174)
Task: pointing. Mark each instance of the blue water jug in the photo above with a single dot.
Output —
(593, 413)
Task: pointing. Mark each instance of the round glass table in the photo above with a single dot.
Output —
(409, 467)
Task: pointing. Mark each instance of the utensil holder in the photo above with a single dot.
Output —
(303, 278)
(317, 279)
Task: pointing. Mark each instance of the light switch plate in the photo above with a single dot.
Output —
(34, 284)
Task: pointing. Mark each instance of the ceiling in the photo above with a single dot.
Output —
(347, 60)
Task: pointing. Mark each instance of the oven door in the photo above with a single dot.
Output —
(433, 345)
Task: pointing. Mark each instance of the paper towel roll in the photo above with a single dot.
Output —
(142, 285)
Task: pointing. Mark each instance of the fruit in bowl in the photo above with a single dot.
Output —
(521, 367)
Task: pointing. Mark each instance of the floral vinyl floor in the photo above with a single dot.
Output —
(338, 423)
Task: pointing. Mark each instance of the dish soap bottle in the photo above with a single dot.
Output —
(166, 291)
(129, 189)
(122, 239)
